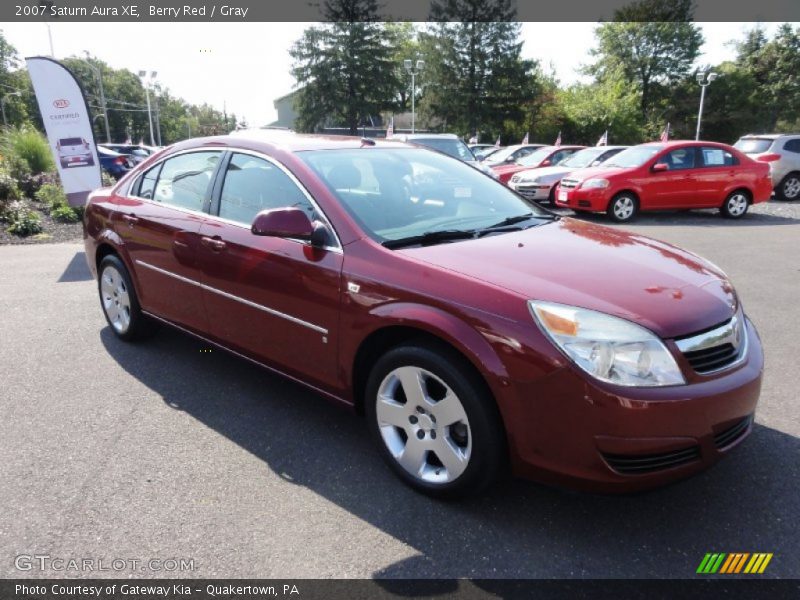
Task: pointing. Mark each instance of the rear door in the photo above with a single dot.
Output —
(160, 223)
(274, 299)
(716, 175)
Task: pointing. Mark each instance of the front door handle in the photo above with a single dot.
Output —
(130, 219)
(216, 244)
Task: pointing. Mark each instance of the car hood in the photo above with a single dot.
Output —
(548, 173)
(670, 291)
(584, 174)
(509, 168)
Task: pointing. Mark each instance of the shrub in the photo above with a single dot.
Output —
(30, 146)
(15, 165)
(30, 184)
(65, 214)
(52, 196)
(8, 187)
(23, 221)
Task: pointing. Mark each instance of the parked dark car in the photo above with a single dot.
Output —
(471, 327)
(113, 163)
(135, 152)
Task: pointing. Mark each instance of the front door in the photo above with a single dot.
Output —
(159, 223)
(274, 299)
(675, 187)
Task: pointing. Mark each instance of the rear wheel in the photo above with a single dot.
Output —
(735, 205)
(623, 207)
(789, 187)
(119, 301)
(552, 197)
(433, 420)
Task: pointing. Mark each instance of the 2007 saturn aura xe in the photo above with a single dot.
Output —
(472, 328)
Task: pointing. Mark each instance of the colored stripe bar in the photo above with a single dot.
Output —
(741, 562)
(706, 559)
(717, 564)
(752, 563)
(727, 564)
(765, 563)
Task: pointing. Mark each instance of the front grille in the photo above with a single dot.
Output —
(514, 178)
(568, 184)
(733, 433)
(639, 464)
(711, 359)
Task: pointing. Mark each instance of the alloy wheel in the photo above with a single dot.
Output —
(115, 298)
(737, 205)
(623, 208)
(791, 188)
(424, 425)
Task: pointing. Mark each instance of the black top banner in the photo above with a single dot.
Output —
(387, 10)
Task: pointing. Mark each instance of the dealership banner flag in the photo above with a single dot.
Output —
(68, 124)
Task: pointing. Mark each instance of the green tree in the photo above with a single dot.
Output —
(653, 55)
(12, 85)
(345, 69)
(475, 78)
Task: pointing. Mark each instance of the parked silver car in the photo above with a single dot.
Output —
(539, 184)
(782, 153)
(448, 143)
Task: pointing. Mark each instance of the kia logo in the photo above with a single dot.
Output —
(61, 103)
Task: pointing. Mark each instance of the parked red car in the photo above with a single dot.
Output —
(673, 175)
(470, 326)
(543, 157)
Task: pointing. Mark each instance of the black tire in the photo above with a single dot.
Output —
(789, 187)
(488, 454)
(615, 207)
(735, 205)
(551, 198)
(139, 326)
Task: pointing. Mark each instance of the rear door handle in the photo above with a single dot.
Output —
(130, 219)
(216, 244)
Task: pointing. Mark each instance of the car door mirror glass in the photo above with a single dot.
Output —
(660, 167)
(286, 222)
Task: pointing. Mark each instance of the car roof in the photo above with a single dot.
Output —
(426, 136)
(291, 141)
(767, 136)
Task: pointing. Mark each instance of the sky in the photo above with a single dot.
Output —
(245, 66)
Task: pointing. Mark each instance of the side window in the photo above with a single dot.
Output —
(679, 159)
(523, 152)
(717, 157)
(792, 145)
(183, 180)
(253, 184)
(147, 185)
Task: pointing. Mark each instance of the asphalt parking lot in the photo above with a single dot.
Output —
(160, 450)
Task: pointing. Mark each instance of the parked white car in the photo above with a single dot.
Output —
(540, 184)
(782, 153)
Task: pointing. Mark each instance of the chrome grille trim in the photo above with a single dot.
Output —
(732, 333)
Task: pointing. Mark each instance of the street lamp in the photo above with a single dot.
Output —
(413, 70)
(99, 76)
(147, 81)
(704, 79)
(3, 105)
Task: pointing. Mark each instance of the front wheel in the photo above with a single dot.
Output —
(623, 207)
(434, 422)
(735, 205)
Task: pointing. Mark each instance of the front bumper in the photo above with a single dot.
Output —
(592, 199)
(571, 430)
(532, 191)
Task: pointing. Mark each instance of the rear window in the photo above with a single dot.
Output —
(753, 145)
(70, 141)
(455, 148)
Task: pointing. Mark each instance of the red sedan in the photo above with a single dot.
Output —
(470, 326)
(664, 176)
(543, 157)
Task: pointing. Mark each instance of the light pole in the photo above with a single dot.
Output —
(413, 70)
(704, 79)
(147, 83)
(99, 76)
(3, 105)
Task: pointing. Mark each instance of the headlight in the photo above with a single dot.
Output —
(595, 183)
(608, 348)
(529, 178)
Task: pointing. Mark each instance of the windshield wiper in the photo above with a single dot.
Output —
(431, 237)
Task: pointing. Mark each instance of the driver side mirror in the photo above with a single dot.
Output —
(546, 163)
(660, 167)
(291, 222)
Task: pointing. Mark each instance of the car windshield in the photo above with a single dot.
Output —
(455, 148)
(400, 194)
(502, 154)
(753, 145)
(582, 158)
(534, 158)
(633, 157)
